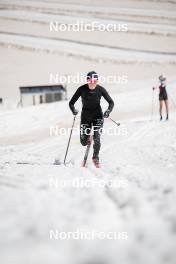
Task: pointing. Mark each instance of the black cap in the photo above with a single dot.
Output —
(92, 75)
(162, 78)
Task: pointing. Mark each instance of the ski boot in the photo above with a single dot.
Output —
(167, 117)
(96, 162)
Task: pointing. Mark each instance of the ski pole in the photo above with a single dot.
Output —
(69, 140)
(152, 105)
(118, 124)
(173, 102)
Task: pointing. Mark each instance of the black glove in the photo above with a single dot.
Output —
(75, 112)
(106, 113)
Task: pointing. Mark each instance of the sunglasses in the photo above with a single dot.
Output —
(92, 81)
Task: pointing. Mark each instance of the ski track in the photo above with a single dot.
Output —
(155, 28)
(78, 50)
(133, 205)
(87, 9)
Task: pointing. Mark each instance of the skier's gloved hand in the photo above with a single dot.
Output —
(75, 112)
(106, 113)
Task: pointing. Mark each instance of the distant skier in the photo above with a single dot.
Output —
(91, 115)
(163, 97)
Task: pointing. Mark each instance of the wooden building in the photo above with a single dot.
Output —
(42, 94)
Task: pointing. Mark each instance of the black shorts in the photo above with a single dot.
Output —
(163, 97)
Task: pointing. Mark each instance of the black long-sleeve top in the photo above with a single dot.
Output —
(91, 107)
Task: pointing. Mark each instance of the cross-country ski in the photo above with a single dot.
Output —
(87, 151)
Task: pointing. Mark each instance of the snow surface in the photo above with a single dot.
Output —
(63, 19)
(78, 49)
(134, 192)
(98, 9)
(140, 161)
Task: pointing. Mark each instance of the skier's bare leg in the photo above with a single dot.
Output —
(167, 109)
(161, 109)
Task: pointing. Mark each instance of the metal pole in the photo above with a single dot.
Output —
(152, 105)
(69, 140)
(174, 104)
(118, 124)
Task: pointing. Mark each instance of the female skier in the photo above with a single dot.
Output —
(163, 97)
(91, 115)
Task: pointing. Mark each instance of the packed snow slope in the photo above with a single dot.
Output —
(133, 193)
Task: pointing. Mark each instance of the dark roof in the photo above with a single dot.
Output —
(42, 89)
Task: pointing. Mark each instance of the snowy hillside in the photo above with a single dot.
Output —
(123, 212)
(133, 194)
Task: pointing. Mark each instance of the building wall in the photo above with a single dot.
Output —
(43, 98)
